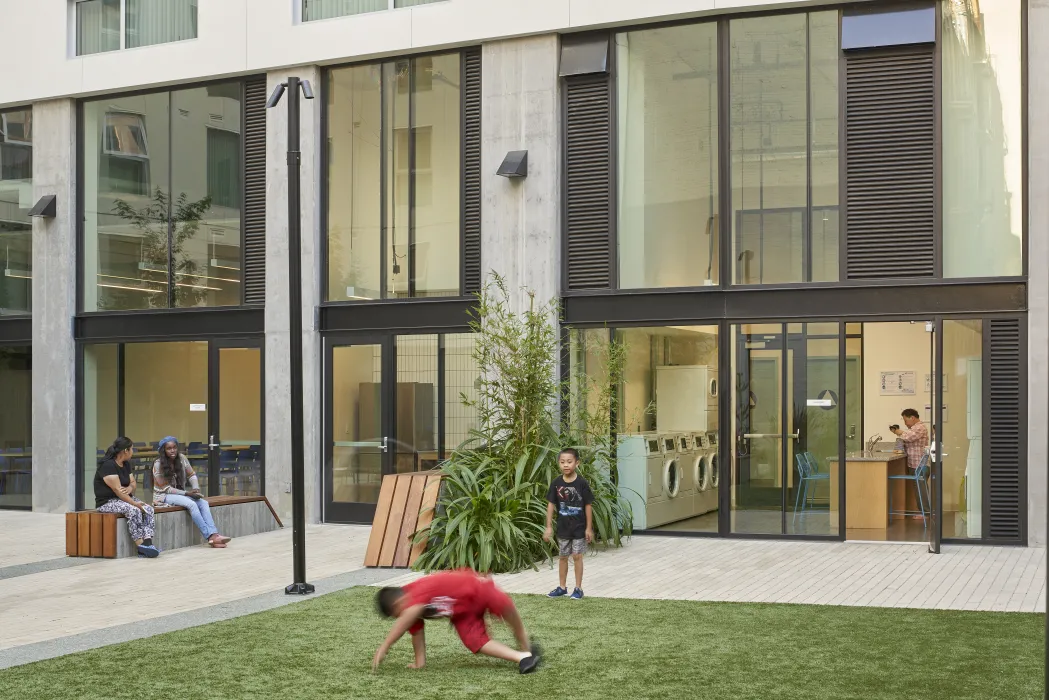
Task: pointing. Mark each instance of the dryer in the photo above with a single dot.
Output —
(640, 460)
(715, 467)
(705, 499)
(675, 501)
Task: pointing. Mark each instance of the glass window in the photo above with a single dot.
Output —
(394, 199)
(982, 136)
(16, 427)
(151, 22)
(97, 26)
(461, 389)
(784, 145)
(162, 200)
(16, 199)
(101, 409)
(668, 157)
(962, 463)
(326, 9)
(668, 427)
(417, 385)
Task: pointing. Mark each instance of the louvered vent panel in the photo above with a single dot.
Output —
(588, 182)
(890, 164)
(471, 224)
(255, 191)
(1005, 436)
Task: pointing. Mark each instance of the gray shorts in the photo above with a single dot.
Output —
(572, 546)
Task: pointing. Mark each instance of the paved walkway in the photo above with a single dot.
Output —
(47, 611)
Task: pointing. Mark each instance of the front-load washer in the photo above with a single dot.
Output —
(640, 465)
(712, 438)
(705, 499)
(667, 480)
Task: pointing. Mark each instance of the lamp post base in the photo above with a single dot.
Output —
(299, 589)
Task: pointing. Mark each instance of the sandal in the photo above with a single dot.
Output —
(217, 545)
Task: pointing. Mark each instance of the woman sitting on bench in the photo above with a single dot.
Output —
(115, 493)
(175, 484)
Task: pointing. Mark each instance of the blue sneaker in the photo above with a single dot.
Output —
(577, 594)
(557, 593)
(148, 551)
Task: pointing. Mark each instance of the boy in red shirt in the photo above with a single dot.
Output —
(463, 597)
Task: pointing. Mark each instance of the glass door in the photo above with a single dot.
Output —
(359, 417)
(234, 448)
(934, 490)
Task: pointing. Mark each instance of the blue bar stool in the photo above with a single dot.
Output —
(919, 478)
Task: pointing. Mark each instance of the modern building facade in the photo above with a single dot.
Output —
(800, 219)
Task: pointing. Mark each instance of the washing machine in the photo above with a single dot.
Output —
(705, 499)
(671, 504)
(640, 459)
(715, 467)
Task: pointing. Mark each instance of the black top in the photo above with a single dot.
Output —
(570, 499)
(108, 467)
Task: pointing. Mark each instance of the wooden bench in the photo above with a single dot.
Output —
(93, 534)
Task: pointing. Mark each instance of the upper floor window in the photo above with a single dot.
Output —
(162, 199)
(16, 199)
(326, 9)
(110, 25)
(394, 174)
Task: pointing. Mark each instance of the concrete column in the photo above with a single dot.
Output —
(278, 370)
(54, 305)
(1038, 266)
(521, 218)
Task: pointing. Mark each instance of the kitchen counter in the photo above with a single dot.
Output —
(867, 488)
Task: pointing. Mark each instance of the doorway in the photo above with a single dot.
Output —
(207, 394)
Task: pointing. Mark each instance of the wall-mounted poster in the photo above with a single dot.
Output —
(898, 383)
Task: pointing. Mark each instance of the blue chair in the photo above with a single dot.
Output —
(810, 476)
(919, 477)
(228, 469)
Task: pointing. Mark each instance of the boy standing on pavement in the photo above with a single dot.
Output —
(575, 520)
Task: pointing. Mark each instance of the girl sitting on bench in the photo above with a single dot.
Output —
(175, 484)
(115, 493)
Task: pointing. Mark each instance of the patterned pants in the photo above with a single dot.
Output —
(139, 524)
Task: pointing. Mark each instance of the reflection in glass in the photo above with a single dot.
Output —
(962, 463)
(159, 164)
(379, 159)
(326, 9)
(357, 431)
(240, 422)
(784, 134)
(101, 409)
(16, 199)
(668, 164)
(16, 427)
(417, 380)
(982, 138)
(97, 26)
(668, 425)
(461, 377)
(150, 22)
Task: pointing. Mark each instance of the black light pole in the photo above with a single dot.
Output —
(298, 475)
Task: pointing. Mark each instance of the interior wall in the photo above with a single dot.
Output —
(240, 395)
(161, 381)
(889, 347)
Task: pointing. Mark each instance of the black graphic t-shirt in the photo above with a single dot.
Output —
(570, 497)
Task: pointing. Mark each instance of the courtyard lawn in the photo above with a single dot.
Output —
(595, 648)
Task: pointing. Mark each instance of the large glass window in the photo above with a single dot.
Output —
(668, 157)
(16, 427)
(982, 125)
(394, 135)
(145, 23)
(16, 199)
(326, 9)
(784, 145)
(162, 200)
(962, 463)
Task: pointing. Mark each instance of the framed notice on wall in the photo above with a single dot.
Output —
(898, 383)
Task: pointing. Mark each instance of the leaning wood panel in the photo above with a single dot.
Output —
(382, 514)
(71, 538)
(83, 534)
(109, 535)
(96, 534)
(393, 523)
(411, 519)
(429, 503)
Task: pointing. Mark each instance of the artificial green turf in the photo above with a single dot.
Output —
(595, 648)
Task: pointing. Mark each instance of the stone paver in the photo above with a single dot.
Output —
(877, 575)
(30, 537)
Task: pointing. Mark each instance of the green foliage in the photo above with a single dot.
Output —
(492, 510)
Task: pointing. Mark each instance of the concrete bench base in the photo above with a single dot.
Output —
(93, 534)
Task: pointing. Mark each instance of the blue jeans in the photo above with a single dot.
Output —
(200, 511)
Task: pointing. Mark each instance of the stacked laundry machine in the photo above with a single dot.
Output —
(672, 474)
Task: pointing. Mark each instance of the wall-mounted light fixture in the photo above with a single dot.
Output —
(46, 208)
(514, 165)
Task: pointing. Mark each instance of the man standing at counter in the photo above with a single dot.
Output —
(915, 438)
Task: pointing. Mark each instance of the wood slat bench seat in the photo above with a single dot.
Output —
(93, 534)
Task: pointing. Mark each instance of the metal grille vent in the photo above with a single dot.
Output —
(1006, 447)
(471, 222)
(255, 192)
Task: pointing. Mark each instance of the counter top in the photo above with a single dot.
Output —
(875, 457)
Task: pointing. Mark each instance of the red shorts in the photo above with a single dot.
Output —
(470, 623)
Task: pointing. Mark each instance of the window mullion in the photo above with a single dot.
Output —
(123, 24)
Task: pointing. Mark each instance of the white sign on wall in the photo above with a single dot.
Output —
(195, 407)
(898, 383)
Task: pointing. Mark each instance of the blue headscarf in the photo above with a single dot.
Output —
(164, 441)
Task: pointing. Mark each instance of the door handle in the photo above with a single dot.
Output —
(385, 446)
(796, 435)
(211, 442)
(749, 436)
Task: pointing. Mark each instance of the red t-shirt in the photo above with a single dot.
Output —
(449, 593)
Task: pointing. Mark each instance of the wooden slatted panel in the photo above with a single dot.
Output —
(429, 504)
(588, 181)
(411, 520)
(1004, 432)
(890, 164)
(83, 534)
(255, 191)
(109, 535)
(382, 515)
(393, 523)
(96, 534)
(71, 534)
(471, 223)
